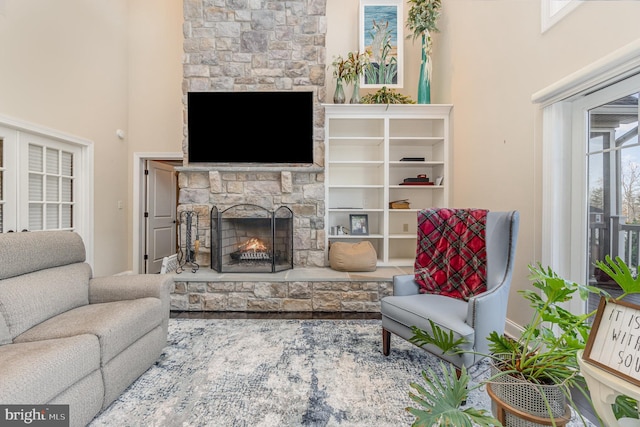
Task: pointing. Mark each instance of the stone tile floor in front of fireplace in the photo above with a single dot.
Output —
(382, 274)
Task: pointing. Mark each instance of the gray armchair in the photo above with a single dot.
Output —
(473, 320)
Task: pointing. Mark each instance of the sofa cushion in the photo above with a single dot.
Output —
(416, 310)
(36, 372)
(26, 252)
(30, 299)
(116, 324)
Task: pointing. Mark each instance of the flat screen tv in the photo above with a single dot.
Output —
(250, 127)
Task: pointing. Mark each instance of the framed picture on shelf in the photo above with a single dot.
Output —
(359, 224)
(381, 24)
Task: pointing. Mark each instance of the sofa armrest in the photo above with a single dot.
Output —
(118, 288)
(404, 284)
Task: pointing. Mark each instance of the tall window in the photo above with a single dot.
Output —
(591, 161)
(613, 159)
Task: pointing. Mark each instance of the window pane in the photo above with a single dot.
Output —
(614, 184)
(67, 190)
(35, 188)
(52, 217)
(67, 164)
(67, 217)
(52, 161)
(52, 189)
(35, 158)
(35, 216)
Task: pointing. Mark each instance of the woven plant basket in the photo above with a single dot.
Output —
(521, 396)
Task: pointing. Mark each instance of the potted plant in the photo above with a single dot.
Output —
(544, 355)
(355, 64)
(348, 71)
(339, 65)
(386, 96)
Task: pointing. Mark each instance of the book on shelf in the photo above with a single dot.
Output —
(412, 159)
(399, 204)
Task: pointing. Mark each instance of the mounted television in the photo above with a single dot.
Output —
(250, 127)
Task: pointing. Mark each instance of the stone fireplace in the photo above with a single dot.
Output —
(269, 45)
(297, 190)
(251, 239)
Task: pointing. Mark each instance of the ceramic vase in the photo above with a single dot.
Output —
(355, 96)
(424, 82)
(338, 95)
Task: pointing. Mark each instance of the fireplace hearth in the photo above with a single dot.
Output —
(251, 239)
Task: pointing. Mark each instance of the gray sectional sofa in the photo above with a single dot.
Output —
(69, 338)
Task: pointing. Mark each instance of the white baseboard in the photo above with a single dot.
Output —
(512, 329)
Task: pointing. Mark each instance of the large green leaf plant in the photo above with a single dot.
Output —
(545, 353)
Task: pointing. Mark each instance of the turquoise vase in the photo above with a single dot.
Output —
(424, 82)
(338, 95)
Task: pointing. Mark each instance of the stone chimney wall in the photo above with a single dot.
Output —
(258, 45)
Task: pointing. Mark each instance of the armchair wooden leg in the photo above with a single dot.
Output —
(386, 342)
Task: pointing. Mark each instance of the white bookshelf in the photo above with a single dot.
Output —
(364, 145)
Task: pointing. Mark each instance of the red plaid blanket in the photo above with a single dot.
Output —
(451, 256)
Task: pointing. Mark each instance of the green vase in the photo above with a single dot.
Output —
(424, 82)
(338, 95)
(355, 96)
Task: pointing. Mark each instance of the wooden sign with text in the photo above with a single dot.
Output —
(614, 340)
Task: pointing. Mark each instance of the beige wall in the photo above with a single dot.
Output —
(66, 65)
(89, 68)
(489, 58)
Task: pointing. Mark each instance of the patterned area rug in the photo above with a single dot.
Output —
(247, 372)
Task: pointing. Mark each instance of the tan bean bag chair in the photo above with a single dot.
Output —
(360, 256)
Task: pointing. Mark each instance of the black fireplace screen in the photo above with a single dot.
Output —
(251, 239)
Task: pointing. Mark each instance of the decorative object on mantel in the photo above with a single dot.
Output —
(347, 71)
(338, 95)
(355, 66)
(421, 19)
(339, 73)
(386, 96)
(381, 36)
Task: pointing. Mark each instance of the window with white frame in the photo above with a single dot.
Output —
(44, 180)
(571, 146)
(50, 180)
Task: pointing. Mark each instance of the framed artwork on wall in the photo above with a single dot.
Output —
(381, 25)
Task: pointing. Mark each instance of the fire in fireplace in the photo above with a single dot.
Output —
(251, 239)
(251, 249)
